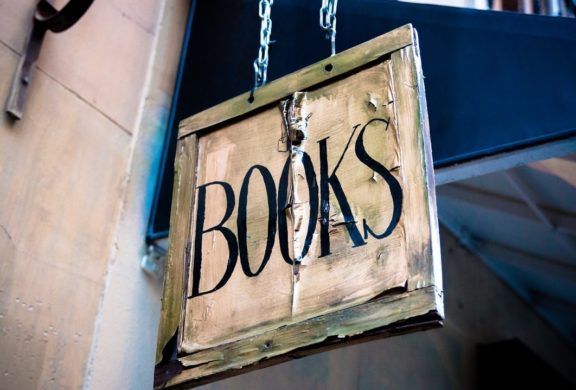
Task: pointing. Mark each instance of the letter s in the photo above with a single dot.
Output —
(395, 189)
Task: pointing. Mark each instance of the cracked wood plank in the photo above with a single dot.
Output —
(300, 80)
(176, 264)
(340, 118)
(317, 207)
(341, 325)
(243, 305)
(421, 236)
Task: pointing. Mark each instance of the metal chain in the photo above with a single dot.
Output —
(261, 62)
(328, 21)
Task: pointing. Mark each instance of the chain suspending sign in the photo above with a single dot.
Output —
(261, 62)
(328, 21)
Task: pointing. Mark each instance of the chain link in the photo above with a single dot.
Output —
(261, 62)
(328, 21)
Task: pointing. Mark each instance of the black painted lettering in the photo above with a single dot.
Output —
(279, 202)
(284, 204)
(242, 219)
(393, 185)
(328, 181)
(227, 233)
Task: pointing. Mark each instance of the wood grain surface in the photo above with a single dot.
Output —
(308, 218)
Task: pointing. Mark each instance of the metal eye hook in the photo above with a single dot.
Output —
(46, 18)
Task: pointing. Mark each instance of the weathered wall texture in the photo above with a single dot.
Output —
(479, 309)
(124, 346)
(65, 180)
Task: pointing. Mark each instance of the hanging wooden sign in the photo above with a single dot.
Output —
(304, 218)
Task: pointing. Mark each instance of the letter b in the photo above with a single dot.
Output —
(227, 233)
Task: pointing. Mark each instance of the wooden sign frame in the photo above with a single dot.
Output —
(415, 303)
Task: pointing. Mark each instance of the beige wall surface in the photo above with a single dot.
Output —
(65, 177)
(124, 345)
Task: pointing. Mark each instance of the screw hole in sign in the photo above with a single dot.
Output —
(328, 68)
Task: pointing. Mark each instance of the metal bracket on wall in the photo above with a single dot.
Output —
(46, 18)
(154, 259)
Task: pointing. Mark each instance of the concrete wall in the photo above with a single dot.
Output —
(124, 346)
(67, 174)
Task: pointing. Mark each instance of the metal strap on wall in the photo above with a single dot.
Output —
(46, 18)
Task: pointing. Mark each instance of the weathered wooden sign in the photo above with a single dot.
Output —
(304, 217)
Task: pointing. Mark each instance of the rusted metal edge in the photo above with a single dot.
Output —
(300, 80)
